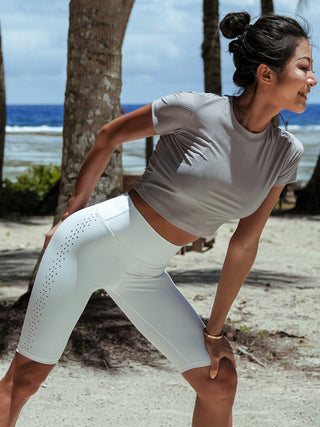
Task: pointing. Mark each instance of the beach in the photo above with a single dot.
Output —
(276, 311)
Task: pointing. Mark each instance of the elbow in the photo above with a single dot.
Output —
(106, 139)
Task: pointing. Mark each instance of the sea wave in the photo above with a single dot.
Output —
(58, 129)
(299, 128)
(43, 129)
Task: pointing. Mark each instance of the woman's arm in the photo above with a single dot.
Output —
(135, 125)
(240, 256)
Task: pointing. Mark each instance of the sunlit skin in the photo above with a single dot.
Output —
(295, 81)
(274, 92)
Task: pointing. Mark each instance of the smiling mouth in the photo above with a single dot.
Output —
(303, 95)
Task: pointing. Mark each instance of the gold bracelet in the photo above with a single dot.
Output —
(214, 337)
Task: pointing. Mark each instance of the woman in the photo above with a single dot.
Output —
(218, 158)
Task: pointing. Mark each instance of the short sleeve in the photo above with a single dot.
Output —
(289, 170)
(172, 112)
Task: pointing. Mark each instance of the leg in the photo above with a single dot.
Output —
(148, 296)
(64, 283)
(168, 321)
(215, 398)
(21, 381)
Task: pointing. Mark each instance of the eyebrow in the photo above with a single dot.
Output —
(305, 57)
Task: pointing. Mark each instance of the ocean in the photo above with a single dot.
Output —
(34, 136)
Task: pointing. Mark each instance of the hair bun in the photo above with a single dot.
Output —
(234, 24)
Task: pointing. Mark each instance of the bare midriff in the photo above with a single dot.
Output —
(163, 227)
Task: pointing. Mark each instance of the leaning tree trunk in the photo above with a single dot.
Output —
(308, 199)
(3, 112)
(92, 98)
(267, 7)
(211, 47)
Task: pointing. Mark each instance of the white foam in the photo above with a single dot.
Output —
(34, 129)
(299, 128)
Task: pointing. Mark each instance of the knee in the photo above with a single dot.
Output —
(26, 385)
(218, 392)
(222, 389)
(28, 377)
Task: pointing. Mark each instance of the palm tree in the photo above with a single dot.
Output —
(267, 7)
(211, 47)
(308, 199)
(3, 113)
(92, 98)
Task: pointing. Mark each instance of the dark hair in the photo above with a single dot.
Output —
(271, 40)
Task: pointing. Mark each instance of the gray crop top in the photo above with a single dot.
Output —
(207, 168)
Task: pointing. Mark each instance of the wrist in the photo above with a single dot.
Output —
(211, 336)
(214, 329)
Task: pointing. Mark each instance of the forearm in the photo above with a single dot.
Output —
(237, 265)
(89, 174)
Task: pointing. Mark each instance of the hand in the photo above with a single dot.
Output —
(50, 234)
(217, 349)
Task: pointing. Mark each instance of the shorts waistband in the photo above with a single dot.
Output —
(128, 225)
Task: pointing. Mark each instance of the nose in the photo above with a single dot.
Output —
(312, 80)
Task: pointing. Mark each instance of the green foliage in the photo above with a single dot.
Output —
(27, 195)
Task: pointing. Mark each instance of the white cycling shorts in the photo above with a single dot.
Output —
(111, 246)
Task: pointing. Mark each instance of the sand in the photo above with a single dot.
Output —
(280, 300)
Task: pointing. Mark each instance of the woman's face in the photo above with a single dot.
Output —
(295, 81)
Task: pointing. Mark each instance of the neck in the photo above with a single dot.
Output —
(253, 111)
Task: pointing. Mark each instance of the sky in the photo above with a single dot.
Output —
(161, 49)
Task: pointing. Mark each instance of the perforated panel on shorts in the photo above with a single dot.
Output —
(70, 240)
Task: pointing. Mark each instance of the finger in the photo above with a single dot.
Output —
(46, 242)
(214, 368)
(232, 359)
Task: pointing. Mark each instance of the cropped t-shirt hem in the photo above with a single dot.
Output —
(156, 205)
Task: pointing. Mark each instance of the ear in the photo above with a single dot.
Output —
(265, 75)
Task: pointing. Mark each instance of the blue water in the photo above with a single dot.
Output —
(34, 136)
(34, 115)
(311, 116)
(22, 117)
(52, 115)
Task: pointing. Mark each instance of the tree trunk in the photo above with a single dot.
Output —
(267, 7)
(308, 199)
(3, 111)
(211, 47)
(92, 98)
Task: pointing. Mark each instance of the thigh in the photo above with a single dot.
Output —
(66, 278)
(164, 316)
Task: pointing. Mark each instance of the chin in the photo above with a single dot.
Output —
(298, 109)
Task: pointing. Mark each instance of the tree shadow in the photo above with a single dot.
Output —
(17, 265)
(207, 277)
(103, 336)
